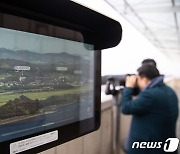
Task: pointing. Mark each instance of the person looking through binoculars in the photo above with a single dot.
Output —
(154, 111)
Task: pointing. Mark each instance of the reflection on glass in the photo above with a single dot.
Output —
(45, 82)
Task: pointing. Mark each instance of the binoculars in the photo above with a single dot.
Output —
(116, 84)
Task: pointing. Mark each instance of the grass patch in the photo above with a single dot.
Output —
(3, 76)
(2, 104)
(43, 95)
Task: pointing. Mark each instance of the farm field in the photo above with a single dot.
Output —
(42, 95)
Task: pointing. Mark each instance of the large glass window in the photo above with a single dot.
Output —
(46, 77)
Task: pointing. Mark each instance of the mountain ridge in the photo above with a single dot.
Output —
(41, 58)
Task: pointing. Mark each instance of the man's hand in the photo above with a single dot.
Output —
(131, 81)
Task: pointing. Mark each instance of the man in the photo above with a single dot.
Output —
(155, 110)
(149, 61)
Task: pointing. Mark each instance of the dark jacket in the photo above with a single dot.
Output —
(155, 112)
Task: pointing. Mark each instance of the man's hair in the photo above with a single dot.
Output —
(149, 62)
(148, 71)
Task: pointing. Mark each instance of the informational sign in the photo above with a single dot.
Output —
(50, 73)
(77, 72)
(43, 89)
(33, 142)
(22, 68)
(61, 68)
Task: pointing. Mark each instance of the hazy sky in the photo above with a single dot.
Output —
(16, 40)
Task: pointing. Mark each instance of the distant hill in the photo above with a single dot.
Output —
(9, 64)
(45, 58)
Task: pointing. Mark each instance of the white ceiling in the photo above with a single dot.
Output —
(158, 20)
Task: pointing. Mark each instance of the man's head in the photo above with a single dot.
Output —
(149, 62)
(145, 74)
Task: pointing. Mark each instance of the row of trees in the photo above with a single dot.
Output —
(18, 107)
(24, 106)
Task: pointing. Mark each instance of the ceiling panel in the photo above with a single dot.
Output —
(158, 20)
